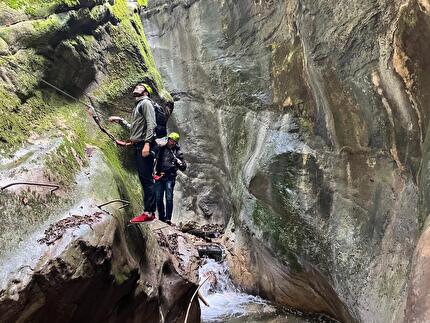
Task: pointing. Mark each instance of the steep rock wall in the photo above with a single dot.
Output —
(305, 125)
(89, 48)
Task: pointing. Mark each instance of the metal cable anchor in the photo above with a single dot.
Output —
(54, 186)
(124, 204)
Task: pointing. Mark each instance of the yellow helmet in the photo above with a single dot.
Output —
(174, 136)
(147, 88)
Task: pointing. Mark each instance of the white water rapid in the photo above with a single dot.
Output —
(228, 304)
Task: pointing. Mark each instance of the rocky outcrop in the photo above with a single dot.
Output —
(306, 129)
(87, 265)
(301, 286)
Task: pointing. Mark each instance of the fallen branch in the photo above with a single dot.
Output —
(192, 298)
(204, 301)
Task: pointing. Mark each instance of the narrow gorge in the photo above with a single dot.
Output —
(304, 126)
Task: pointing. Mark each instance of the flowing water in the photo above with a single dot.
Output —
(229, 304)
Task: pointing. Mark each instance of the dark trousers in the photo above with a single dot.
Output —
(165, 186)
(144, 169)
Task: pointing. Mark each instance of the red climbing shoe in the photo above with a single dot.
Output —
(144, 217)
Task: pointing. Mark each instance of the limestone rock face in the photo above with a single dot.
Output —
(305, 126)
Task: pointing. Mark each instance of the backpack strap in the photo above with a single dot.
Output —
(139, 105)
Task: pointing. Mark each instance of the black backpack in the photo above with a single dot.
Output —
(161, 120)
(161, 117)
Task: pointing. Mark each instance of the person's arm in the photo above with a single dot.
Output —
(122, 122)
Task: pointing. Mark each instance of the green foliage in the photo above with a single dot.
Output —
(120, 10)
(39, 7)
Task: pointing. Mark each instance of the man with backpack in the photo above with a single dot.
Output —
(170, 159)
(142, 138)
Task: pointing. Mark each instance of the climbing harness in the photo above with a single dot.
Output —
(91, 110)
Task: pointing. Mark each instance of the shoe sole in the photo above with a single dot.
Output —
(141, 222)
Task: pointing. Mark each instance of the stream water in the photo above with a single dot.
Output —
(229, 304)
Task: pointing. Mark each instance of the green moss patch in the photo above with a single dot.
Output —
(39, 7)
(18, 121)
(126, 178)
(69, 157)
(130, 59)
(278, 214)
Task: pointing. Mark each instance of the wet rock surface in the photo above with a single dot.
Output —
(317, 147)
(206, 231)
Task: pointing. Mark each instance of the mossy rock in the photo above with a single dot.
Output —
(9, 16)
(40, 8)
(4, 47)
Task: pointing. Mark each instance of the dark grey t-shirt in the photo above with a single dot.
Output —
(143, 123)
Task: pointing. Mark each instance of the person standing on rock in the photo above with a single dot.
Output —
(142, 138)
(170, 159)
